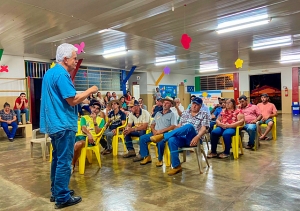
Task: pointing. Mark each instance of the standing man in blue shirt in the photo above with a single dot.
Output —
(58, 118)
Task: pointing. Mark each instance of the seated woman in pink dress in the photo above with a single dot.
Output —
(228, 120)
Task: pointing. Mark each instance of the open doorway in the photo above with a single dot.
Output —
(136, 91)
(35, 96)
(269, 84)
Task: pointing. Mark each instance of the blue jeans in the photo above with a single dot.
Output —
(144, 139)
(18, 112)
(211, 127)
(251, 130)
(215, 135)
(128, 140)
(63, 150)
(10, 134)
(180, 137)
(161, 149)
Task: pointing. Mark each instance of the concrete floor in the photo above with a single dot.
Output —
(267, 179)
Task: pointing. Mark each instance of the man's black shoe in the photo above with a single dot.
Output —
(72, 201)
(52, 199)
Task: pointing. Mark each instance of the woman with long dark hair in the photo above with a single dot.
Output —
(228, 120)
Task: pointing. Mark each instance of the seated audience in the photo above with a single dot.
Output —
(123, 103)
(21, 106)
(138, 121)
(100, 99)
(216, 113)
(268, 111)
(116, 118)
(177, 109)
(142, 105)
(91, 125)
(128, 97)
(8, 118)
(192, 98)
(252, 115)
(157, 94)
(228, 120)
(107, 97)
(189, 131)
(114, 96)
(157, 107)
(163, 122)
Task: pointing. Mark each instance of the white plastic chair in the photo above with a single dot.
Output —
(43, 141)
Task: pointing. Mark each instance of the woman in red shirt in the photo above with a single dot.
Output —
(128, 97)
(228, 120)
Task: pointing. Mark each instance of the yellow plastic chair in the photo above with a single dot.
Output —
(274, 128)
(236, 142)
(86, 152)
(119, 135)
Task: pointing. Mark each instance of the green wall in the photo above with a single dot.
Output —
(197, 83)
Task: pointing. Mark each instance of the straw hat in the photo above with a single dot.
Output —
(169, 99)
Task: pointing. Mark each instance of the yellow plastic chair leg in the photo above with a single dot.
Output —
(234, 148)
(274, 132)
(50, 154)
(82, 161)
(89, 156)
(97, 153)
(167, 155)
(115, 145)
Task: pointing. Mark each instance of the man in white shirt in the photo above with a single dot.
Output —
(138, 122)
(177, 109)
(114, 96)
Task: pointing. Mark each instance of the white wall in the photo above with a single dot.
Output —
(171, 79)
(142, 82)
(15, 65)
(286, 77)
(11, 80)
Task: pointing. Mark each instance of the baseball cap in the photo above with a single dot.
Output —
(242, 97)
(197, 100)
(133, 103)
(159, 98)
(264, 95)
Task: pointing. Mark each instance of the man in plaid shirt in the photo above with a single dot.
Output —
(191, 128)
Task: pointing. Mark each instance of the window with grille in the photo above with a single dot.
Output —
(105, 79)
(216, 82)
(36, 69)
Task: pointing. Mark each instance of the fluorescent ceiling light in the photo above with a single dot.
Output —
(165, 60)
(271, 46)
(205, 71)
(271, 41)
(114, 52)
(104, 30)
(290, 59)
(209, 67)
(243, 20)
(258, 23)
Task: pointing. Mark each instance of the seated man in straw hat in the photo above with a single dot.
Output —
(138, 121)
(163, 122)
(116, 118)
(189, 131)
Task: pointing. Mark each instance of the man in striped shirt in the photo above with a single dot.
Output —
(191, 128)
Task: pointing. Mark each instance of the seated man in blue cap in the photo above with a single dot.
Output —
(189, 131)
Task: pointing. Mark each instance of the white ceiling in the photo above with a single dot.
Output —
(148, 28)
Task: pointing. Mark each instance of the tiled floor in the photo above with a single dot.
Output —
(267, 179)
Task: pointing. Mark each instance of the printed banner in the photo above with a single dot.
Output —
(210, 98)
(168, 90)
